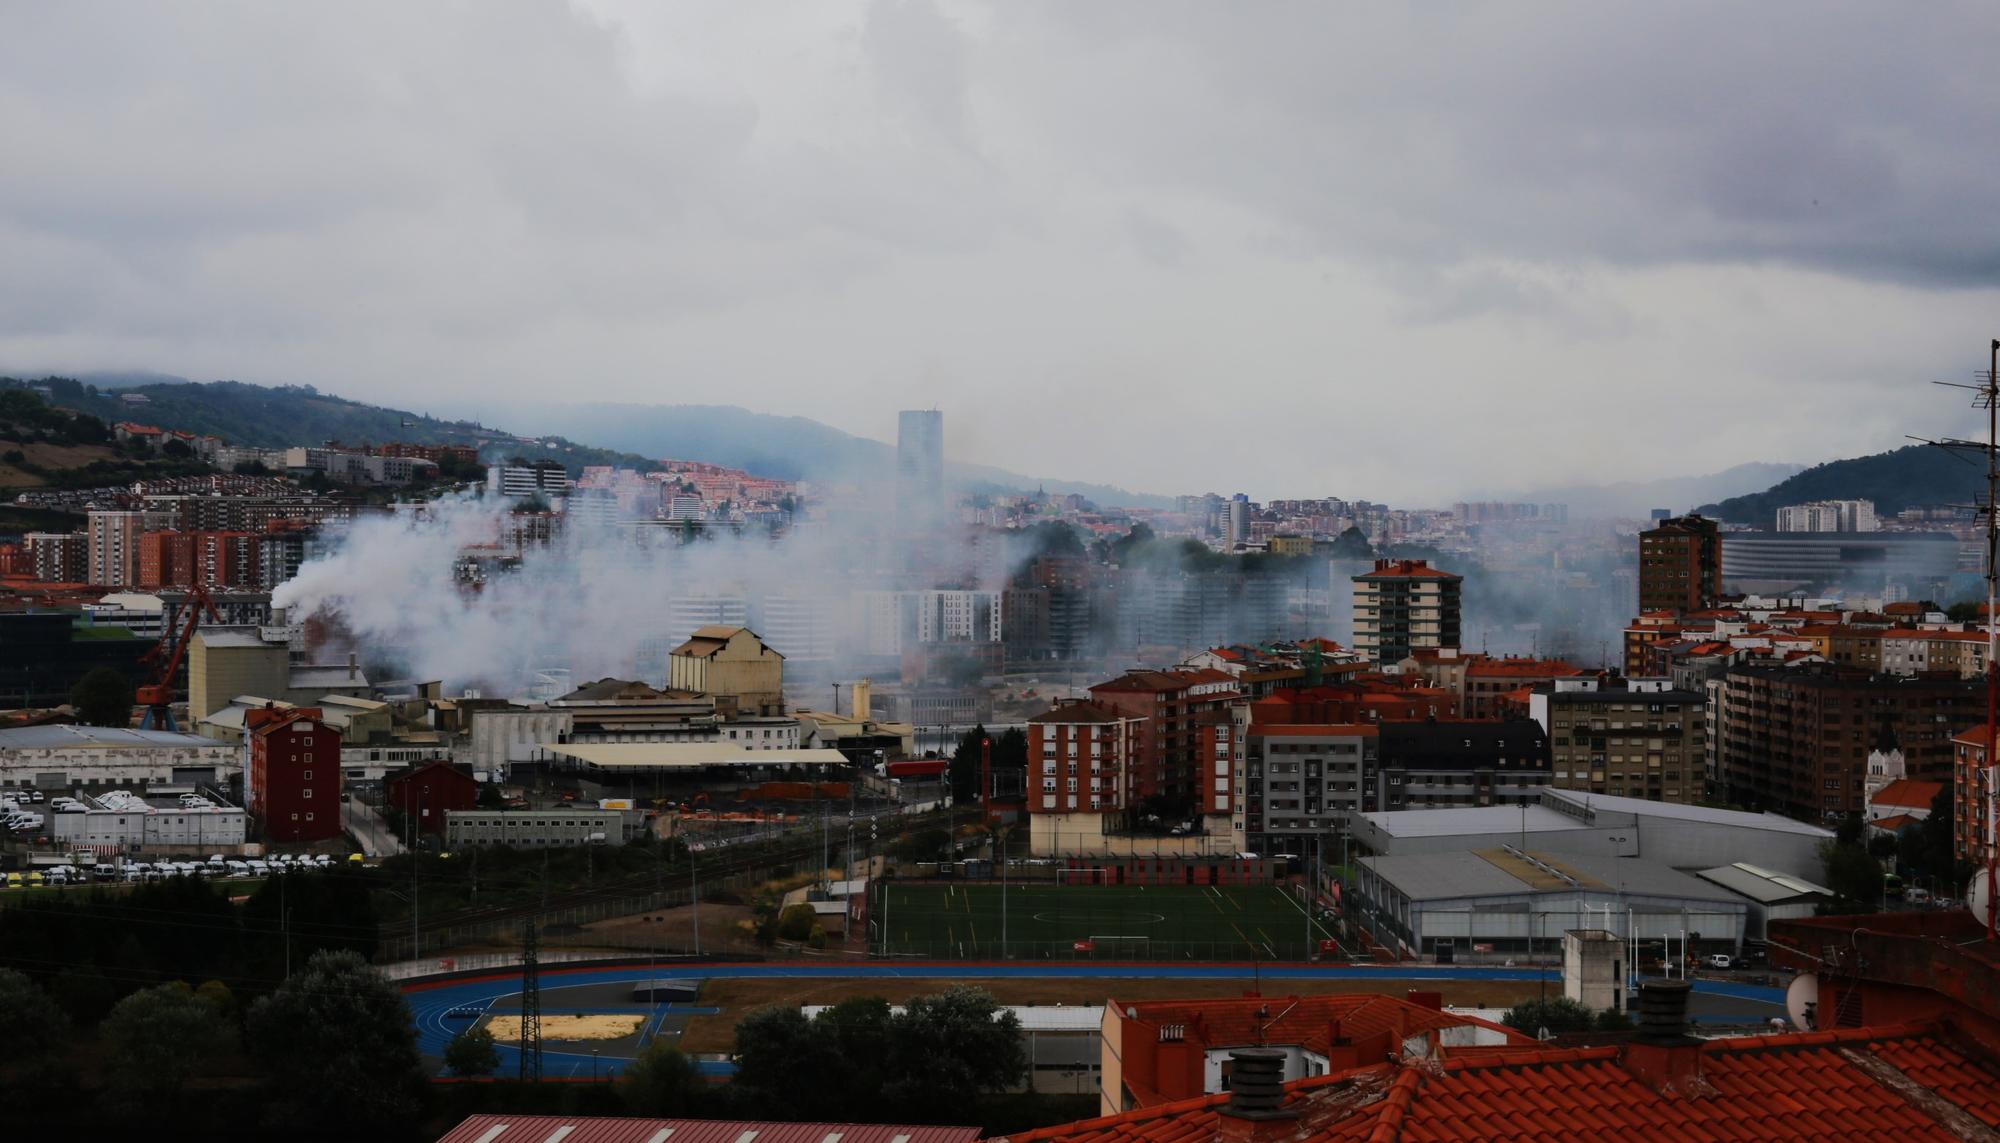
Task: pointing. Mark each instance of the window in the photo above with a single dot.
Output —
(308, 775)
(309, 817)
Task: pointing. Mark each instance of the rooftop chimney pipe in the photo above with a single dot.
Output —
(1663, 1006)
(1257, 1085)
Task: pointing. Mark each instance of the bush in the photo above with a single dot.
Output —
(471, 1053)
(796, 923)
(1557, 1014)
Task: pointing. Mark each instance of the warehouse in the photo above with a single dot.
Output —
(67, 757)
(1773, 896)
(1505, 902)
(1575, 821)
(530, 829)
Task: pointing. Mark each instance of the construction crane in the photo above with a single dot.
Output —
(164, 662)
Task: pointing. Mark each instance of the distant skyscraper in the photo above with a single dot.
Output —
(920, 465)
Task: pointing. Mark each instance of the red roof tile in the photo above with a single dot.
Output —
(1828, 1087)
(1907, 792)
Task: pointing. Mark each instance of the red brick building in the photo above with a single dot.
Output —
(293, 784)
(1080, 760)
(186, 559)
(424, 793)
(1169, 706)
(1680, 565)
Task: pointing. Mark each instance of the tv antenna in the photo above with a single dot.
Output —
(1985, 391)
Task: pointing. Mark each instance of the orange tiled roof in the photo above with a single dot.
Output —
(1894, 822)
(1908, 792)
(1828, 1087)
(1524, 668)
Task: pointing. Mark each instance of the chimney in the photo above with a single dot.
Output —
(1254, 1112)
(352, 666)
(859, 692)
(1664, 1057)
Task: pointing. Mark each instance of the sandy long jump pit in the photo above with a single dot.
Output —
(570, 1029)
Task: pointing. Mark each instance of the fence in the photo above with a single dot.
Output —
(565, 924)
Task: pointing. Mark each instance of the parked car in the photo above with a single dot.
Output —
(1721, 960)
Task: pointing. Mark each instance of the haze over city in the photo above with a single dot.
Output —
(1259, 240)
(999, 571)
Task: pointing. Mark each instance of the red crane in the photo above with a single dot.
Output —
(157, 693)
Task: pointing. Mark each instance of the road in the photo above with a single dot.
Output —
(370, 832)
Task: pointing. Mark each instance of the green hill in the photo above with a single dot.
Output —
(281, 416)
(1901, 478)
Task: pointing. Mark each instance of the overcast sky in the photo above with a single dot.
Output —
(1408, 252)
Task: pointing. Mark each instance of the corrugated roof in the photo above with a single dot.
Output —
(1764, 886)
(104, 737)
(609, 1129)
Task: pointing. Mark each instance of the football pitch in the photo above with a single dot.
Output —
(1105, 922)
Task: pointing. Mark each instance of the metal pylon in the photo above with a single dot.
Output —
(531, 1007)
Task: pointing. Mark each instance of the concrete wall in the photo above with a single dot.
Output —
(1082, 835)
(217, 675)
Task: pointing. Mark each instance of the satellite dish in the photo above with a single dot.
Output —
(1979, 894)
(1802, 1001)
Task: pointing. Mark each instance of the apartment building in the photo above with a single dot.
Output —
(1434, 765)
(1404, 606)
(1680, 565)
(1080, 769)
(1169, 707)
(1298, 781)
(1796, 739)
(1633, 738)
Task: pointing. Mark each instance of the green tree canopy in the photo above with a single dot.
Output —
(1554, 1014)
(157, 1039)
(102, 697)
(660, 1082)
(471, 1053)
(948, 1048)
(338, 1052)
(30, 1023)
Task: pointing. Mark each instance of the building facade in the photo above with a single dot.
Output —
(1403, 606)
(1680, 565)
(1796, 740)
(1642, 739)
(292, 774)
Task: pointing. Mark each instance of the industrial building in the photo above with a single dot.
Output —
(1781, 562)
(1508, 901)
(124, 822)
(69, 757)
(739, 671)
(529, 829)
(1575, 821)
(1773, 896)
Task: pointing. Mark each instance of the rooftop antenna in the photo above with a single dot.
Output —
(1986, 395)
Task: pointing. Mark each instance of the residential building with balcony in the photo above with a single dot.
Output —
(1404, 606)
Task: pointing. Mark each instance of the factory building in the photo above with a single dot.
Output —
(1507, 901)
(70, 757)
(1681, 837)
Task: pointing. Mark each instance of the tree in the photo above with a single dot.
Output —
(471, 1053)
(660, 1082)
(157, 1039)
(947, 1048)
(1351, 545)
(1854, 877)
(1555, 1015)
(338, 1053)
(30, 1023)
(102, 697)
(965, 761)
(784, 1058)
